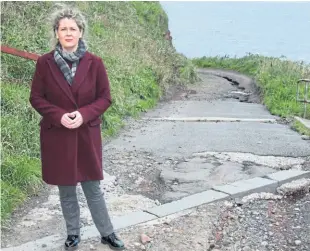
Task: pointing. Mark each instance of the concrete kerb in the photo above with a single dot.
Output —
(246, 187)
(305, 122)
(187, 203)
(268, 183)
(287, 176)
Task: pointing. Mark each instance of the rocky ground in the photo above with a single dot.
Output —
(268, 225)
(257, 222)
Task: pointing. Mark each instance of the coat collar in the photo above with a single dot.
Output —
(80, 74)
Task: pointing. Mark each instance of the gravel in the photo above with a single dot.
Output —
(264, 223)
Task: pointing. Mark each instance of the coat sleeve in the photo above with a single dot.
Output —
(103, 100)
(38, 101)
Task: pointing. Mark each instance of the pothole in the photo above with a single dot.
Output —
(164, 179)
(204, 170)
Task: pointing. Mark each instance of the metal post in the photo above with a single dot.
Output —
(304, 99)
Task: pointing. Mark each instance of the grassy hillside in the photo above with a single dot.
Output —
(140, 64)
(277, 79)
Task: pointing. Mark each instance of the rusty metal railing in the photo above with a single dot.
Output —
(303, 97)
(19, 53)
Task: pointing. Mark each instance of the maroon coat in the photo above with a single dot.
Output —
(70, 156)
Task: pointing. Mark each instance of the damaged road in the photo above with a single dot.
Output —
(179, 156)
(157, 161)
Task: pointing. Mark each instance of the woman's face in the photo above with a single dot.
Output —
(68, 34)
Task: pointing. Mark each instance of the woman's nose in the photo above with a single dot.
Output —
(68, 32)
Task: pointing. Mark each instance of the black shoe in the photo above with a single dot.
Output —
(72, 242)
(113, 241)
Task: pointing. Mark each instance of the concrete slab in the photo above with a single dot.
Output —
(287, 176)
(183, 139)
(203, 108)
(46, 243)
(132, 219)
(211, 119)
(245, 187)
(119, 222)
(187, 203)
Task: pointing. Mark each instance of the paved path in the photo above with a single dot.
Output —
(224, 109)
(183, 139)
(239, 139)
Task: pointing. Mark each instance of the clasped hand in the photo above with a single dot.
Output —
(72, 120)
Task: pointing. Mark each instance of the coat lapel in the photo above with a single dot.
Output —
(80, 75)
(60, 79)
(81, 72)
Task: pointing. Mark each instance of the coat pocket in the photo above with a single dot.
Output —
(46, 125)
(94, 122)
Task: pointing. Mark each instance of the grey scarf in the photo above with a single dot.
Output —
(74, 57)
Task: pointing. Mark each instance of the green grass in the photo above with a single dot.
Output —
(22, 171)
(276, 77)
(141, 65)
(19, 121)
(299, 127)
(11, 197)
(20, 165)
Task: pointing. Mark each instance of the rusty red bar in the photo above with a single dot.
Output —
(19, 53)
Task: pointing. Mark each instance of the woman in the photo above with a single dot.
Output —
(70, 89)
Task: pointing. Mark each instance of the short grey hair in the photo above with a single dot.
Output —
(64, 11)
